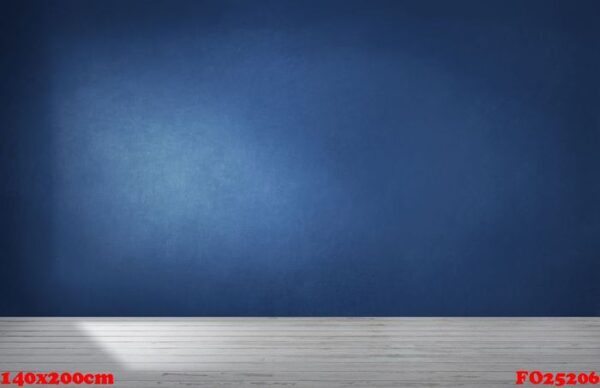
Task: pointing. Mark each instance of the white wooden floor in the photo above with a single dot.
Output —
(302, 352)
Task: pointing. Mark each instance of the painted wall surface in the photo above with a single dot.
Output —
(300, 158)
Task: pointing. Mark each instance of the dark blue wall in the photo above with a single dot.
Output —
(300, 158)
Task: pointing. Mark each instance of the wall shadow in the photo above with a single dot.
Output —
(26, 162)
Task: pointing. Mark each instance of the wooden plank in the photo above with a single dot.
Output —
(302, 352)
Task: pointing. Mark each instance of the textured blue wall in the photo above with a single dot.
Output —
(301, 158)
